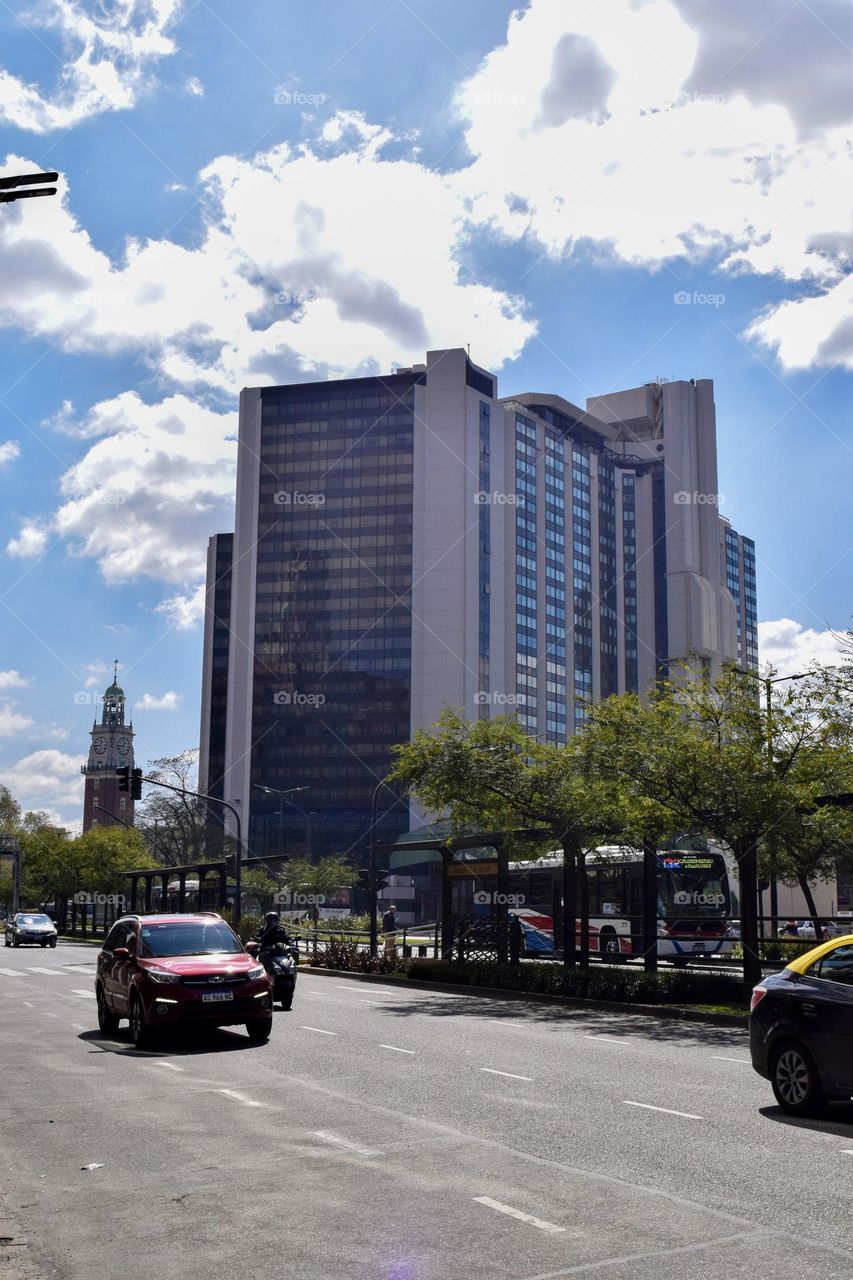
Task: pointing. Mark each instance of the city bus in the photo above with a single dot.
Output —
(693, 903)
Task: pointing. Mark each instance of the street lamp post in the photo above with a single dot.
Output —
(768, 682)
(282, 795)
(34, 182)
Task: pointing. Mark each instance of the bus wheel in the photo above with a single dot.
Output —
(608, 946)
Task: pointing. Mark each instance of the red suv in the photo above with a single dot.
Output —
(171, 971)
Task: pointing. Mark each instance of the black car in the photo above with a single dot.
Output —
(801, 1028)
(30, 927)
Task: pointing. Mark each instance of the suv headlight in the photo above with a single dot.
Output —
(162, 975)
(257, 972)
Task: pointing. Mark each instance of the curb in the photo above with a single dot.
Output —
(672, 1013)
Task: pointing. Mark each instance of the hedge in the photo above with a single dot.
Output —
(629, 986)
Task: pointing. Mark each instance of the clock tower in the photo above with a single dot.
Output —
(112, 746)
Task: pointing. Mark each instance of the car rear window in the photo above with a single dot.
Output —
(190, 938)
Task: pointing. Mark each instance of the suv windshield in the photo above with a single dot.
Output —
(34, 920)
(193, 938)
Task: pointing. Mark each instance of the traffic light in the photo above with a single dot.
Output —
(130, 780)
(364, 878)
(123, 777)
(381, 879)
(136, 784)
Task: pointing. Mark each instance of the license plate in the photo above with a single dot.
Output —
(215, 997)
(699, 947)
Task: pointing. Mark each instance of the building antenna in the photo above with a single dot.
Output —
(115, 671)
(468, 345)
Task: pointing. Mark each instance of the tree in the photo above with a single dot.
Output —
(701, 751)
(490, 775)
(323, 877)
(177, 827)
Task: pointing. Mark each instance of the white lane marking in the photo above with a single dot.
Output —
(550, 1227)
(78, 1026)
(718, 1057)
(319, 1030)
(78, 991)
(613, 1039)
(846, 1151)
(396, 1049)
(337, 1141)
(240, 1097)
(509, 1074)
(647, 1106)
(31, 969)
(11, 973)
(50, 1015)
(161, 1062)
(27, 1003)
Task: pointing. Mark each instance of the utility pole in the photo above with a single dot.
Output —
(768, 682)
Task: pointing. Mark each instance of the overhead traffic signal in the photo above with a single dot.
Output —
(136, 784)
(123, 777)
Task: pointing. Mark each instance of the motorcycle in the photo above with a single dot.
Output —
(280, 961)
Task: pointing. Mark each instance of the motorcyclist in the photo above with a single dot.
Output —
(273, 931)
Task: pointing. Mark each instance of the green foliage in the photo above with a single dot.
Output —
(321, 877)
(346, 955)
(624, 985)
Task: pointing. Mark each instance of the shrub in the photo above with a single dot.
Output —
(347, 955)
(630, 986)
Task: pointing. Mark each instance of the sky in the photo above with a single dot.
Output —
(592, 193)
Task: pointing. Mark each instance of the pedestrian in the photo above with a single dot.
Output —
(389, 930)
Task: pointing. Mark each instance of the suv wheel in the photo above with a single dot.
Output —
(140, 1032)
(107, 1020)
(259, 1029)
(795, 1081)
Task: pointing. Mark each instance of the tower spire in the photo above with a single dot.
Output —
(115, 671)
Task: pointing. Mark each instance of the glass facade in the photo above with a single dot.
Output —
(733, 581)
(556, 727)
(582, 582)
(332, 641)
(526, 647)
(750, 604)
(223, 555)
(629, 580)
(485, 556)
(607, 589)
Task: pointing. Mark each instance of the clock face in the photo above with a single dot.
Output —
(123, 746)
(100, 745)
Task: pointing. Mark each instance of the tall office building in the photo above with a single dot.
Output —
(410, 542)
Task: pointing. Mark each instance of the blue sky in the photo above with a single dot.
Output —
(296, 190)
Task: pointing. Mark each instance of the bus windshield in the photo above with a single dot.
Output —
(692, 884)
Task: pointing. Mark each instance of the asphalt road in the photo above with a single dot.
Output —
(392, 1135)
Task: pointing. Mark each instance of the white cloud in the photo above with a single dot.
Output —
(168, 701)
(305, 268)
(194, 87)
(144, 498)
(184, 610)
(12, 721)
(13, 680)
(9, 451)
(811, 331)
(31, 541)
(790, 647)
(109, 53)
(45, 778)
(619, 126)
